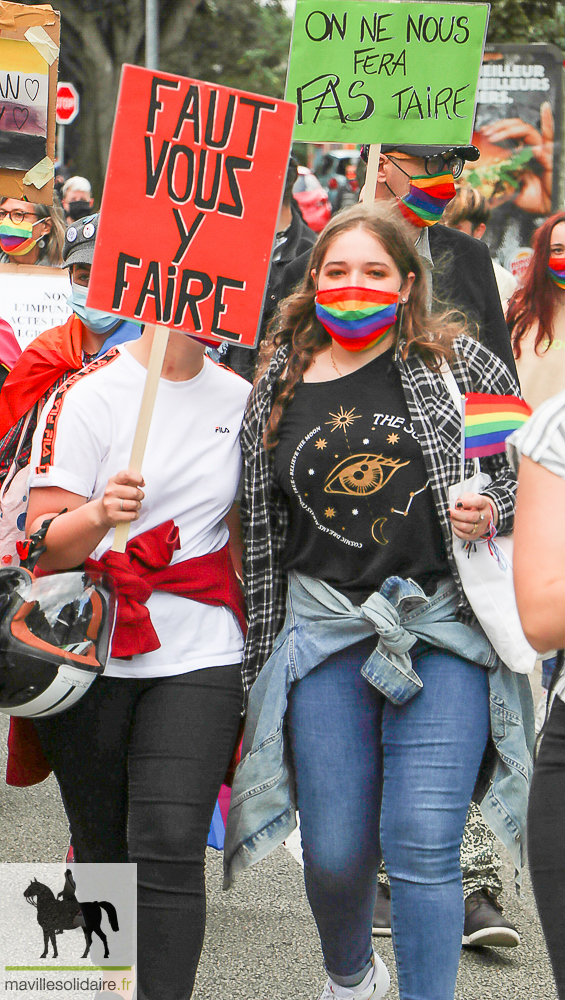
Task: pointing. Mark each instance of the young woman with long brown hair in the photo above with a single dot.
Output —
(373, 705)
(536, 316)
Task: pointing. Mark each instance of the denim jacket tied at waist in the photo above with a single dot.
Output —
(319, 622)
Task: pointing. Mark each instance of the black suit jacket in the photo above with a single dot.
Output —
(462, 278)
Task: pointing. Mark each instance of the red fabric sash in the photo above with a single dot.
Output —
(47, 358)
(137, 572)
(144, 567)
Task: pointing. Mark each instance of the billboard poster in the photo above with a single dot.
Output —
(519, 131)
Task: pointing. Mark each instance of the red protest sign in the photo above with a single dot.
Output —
(195, 179)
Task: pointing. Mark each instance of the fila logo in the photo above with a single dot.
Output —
(222, 430)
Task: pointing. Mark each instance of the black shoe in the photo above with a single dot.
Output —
(485, 925)
(381, 913)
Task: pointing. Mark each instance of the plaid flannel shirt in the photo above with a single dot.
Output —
(437, 424)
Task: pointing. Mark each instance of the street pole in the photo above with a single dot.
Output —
(61, 145)
(152, 34)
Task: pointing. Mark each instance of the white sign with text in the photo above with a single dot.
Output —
(33, 299)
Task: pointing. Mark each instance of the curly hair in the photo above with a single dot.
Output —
(297, 325)
(537, 299)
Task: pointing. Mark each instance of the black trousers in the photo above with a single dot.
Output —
(140, 764)
(546, 839)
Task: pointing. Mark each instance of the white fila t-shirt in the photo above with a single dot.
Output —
(191, 469)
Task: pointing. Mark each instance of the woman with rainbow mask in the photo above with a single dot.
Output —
(370, 712)
(31, 233)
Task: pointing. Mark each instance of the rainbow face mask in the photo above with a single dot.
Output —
(427, 198)
(556, 270)
(16, 240)
(356, 318)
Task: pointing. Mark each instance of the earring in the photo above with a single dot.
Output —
(401, 317)
(41, 243)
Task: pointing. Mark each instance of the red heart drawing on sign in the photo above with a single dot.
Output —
(21, 116)
(32, 88)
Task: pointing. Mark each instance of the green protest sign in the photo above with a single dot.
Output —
(389, 71)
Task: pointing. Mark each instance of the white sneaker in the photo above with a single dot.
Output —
(374, 986)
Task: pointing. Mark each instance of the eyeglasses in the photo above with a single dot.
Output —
(438, 164)
(17, 216)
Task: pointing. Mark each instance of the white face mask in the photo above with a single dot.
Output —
(94, 319)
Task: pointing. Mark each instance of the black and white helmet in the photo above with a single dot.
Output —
(55, 634)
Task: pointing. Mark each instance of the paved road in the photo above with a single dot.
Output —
(261, 942)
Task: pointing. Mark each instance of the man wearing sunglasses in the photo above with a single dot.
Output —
(419, 180)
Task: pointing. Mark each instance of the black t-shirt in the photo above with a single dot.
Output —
(353, 470)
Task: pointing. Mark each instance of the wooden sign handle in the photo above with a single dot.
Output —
(371, 175)
(156, 358)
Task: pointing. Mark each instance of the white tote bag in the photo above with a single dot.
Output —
(13, 506)
(486, 574)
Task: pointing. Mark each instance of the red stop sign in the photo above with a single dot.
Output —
(68, 103)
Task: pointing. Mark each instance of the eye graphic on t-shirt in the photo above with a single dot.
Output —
(361, 475)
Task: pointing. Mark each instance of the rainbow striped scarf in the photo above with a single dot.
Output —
(356, 318)
(489, 420)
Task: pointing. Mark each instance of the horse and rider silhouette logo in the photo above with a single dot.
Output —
(67, 914)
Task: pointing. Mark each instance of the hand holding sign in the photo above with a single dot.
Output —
(205, 168)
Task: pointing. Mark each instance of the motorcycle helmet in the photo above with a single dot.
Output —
(55, 634)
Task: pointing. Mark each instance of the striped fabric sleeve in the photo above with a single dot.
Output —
(542, 438)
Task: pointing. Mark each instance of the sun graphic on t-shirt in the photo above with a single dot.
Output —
(393, 439)
(329, 513)
(321, 444)
(343, 419)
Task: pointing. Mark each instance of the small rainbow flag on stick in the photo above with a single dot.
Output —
(489, 420)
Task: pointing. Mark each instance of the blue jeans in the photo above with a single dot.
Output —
(370, 773)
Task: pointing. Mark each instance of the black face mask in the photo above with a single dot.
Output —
(79, 210)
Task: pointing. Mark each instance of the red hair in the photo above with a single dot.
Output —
(538, 298)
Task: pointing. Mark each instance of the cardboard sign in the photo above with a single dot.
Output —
(194, 184)
(29, 54)
(33, 299)
(386, 72)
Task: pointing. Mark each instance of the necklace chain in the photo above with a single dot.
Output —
(333, 361)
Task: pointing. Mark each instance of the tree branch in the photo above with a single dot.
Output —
(70, 14)
(74, 64)
(177, 25)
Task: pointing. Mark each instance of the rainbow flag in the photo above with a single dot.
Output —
(489, 420)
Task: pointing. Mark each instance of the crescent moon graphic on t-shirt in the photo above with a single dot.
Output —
(377, 530)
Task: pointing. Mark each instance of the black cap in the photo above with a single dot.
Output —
(79, 241)
(448, 152)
